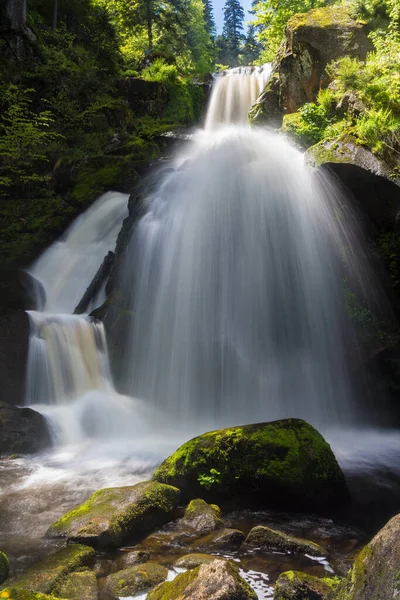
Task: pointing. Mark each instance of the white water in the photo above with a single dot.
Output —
(68, 266)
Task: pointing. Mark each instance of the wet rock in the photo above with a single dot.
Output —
(22, 430)
(285, 464)
(129, 559)
(191, 561)
(48, 575)
(312, 40)
(225, 538)
(375, 571)
(81, 585)
(270, 539)
(218, 580)
(114, 515)
(4, 567)
(294, 585)
(14, 336)
(202, 517)
(135, 580)
(20, 594)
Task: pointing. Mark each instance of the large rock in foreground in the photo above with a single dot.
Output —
(293, 585)
(22, 430)
(375, 574)
(218, 580)
(285, 464)
(114, 515)
(48, 576)
(312, 40)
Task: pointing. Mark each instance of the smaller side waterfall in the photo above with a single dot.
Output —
(233, 93)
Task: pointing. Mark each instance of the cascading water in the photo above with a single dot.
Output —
(235, 279)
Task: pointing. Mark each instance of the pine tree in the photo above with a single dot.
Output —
(251, 48)
(233, 28)
(209, 18)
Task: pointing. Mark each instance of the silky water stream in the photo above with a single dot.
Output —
(234, 273)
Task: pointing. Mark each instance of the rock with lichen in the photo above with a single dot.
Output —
(293, 585)
(272, 540)
(113, 515)
(312, 40)
(80, 585)
(285, 464)
(135, 580)
(202, 517)
(217, 580)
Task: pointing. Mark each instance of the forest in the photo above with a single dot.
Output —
(199, 300)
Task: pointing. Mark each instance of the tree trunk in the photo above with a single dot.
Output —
(149, 19)
(15, 15)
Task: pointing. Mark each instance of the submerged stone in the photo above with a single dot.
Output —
(135, 580)
(375, 574)
(270, 539)
(217, 580)
(285, 464)
(4, 567)
(81, 585)
(113, 515)
(294, 585)
(224, 538)
(48, 575)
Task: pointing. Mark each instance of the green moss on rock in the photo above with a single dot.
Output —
(326, 16)
(218, 579)
(4, 567)
(203, 517)
(11, 593)
(113, 515)
(191, 561)
(81, 585)
(294, 585)
(270, 539)
(46, 576)
(135, 580)
(285, 463)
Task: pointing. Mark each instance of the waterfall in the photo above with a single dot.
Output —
(68, 374)
(235, 279)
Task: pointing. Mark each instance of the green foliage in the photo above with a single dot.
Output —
(25, 137)
(208, 480)
(270, 20)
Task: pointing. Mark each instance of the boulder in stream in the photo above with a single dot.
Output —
(293, 585)
(48, 575)
(135, 580)
(272, 540)
(113, 515)
(285, 464)
(81, 585)
(202, 517)
(217, 580)
(191, 561)
(22, 430)
(375, 574)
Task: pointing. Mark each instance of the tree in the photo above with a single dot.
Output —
(232, 31)
(251, 48)
(209, 18)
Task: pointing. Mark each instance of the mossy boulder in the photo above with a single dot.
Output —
(135, 580)
(48, 575)
(191, 561)
(202, 517)
(22, 430)
(4, 567)
(114, 515)
(285, 464)
(375, 574)
(217, 580)
(293, 585)
(312, 40)
(11, 593)
(130, 559)
(270, 539)
(222, 538)
(81, 585)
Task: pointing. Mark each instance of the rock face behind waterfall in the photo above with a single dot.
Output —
(285, 463)
(312, 40)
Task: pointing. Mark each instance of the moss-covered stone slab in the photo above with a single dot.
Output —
(375, 574)
(81, 585)
(191, 561)
(293, 585)
(202, 517)
(270, 539)
(135, 580)
(218, 580)
(4, 567)
(285, 464)
(12, 593)
(46, 576)
(114, 515)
